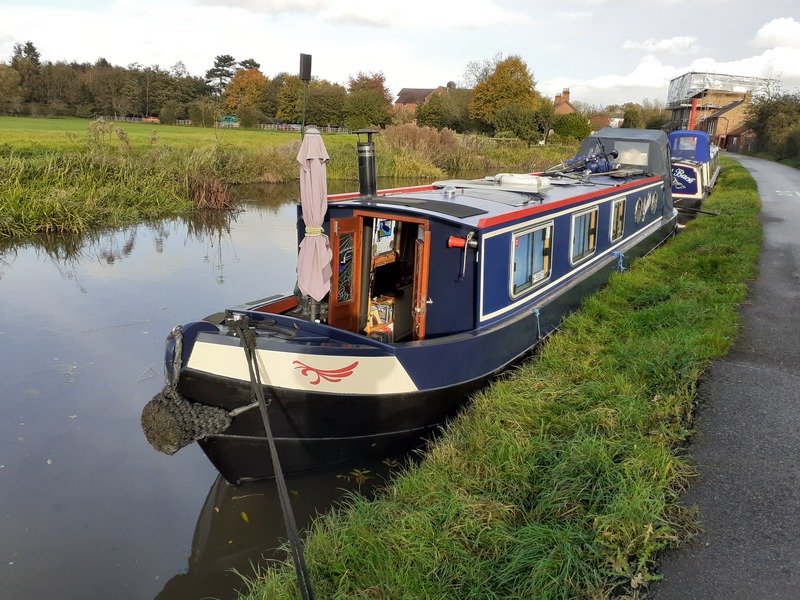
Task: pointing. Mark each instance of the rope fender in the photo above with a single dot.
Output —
(170, 422)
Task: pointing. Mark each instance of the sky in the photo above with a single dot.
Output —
(604, 51)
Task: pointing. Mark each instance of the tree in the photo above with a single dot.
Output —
(170, 113)
(325, 103)
(270, 99)
(26, 61)
(370, 81)
(365, 108)
(633, 116)
(431, 113)
(249, 63)
(10, 90)
(290, 100)
(775, 119)
(510, 85)
(522, 122)
(572, 125)
(479, 71)
(221, 72)
(246, 89)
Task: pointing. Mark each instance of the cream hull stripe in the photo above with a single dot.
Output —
(328, 374)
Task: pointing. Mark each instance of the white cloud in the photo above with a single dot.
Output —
(784, 31)
(411, 14)
(574, 16)
(675, 45)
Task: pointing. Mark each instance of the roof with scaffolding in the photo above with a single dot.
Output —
(682, 89)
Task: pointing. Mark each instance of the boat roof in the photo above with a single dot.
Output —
(690, 144)
(489, 202)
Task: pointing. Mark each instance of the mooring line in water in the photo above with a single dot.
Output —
(115, 326)
(241, 325)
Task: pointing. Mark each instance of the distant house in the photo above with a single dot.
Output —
(727, 126)
(409, 98)
(561, 104)
(598, 122)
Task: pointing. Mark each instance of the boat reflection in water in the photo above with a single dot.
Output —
(240, 529)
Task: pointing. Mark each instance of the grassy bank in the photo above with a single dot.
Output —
(563, 479)
(72, 175)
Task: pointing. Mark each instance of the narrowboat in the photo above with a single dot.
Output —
(432, 292)
(695, 167)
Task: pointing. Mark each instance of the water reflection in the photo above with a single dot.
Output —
(241, 528)
(88, 509)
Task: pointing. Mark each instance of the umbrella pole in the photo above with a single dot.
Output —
(303, 121)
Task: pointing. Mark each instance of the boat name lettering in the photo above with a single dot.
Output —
(331, 375)
(681, 174)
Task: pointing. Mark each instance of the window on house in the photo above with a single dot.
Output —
(584, 235)
(617, 219)
(531, 258)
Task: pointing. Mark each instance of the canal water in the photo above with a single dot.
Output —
(87, 508)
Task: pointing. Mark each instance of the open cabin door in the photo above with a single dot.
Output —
(380, 276)
(345, 296)
(422, 255)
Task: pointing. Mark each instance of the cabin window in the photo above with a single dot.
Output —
(345, 265)
(617, 219)
(531, 258)
(584, 235)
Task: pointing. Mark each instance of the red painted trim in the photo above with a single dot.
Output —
(279, 306)
(542, 208)
(400, 190)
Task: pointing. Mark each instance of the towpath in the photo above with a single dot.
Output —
(747, 447)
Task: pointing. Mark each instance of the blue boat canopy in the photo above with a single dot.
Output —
(690, 145)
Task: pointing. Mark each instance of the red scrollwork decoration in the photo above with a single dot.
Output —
(332, 375)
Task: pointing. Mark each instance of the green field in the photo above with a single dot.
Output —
(26, 134)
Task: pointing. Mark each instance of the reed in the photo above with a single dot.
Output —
(563, 479)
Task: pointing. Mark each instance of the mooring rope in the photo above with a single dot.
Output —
(240, 324)
(620, 267)
(538, 326)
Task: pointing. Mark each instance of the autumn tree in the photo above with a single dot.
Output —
(370, 81)
(369, 99)
(245, 89)
(511, 84)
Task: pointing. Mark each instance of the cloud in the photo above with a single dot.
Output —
(784, 32)
(675, 45)
(574, 16)
(411, 14)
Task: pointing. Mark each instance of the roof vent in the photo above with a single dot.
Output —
(449, 191)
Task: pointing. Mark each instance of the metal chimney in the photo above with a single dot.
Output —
(367, 178)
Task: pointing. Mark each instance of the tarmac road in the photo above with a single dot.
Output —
(747, 447)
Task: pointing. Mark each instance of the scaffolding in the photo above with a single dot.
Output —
(682, 89)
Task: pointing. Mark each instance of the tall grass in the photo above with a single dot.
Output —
(118, 173)
(563, 479)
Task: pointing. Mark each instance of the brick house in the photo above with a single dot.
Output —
(727, 126)
(409, 98)
(561, 104)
